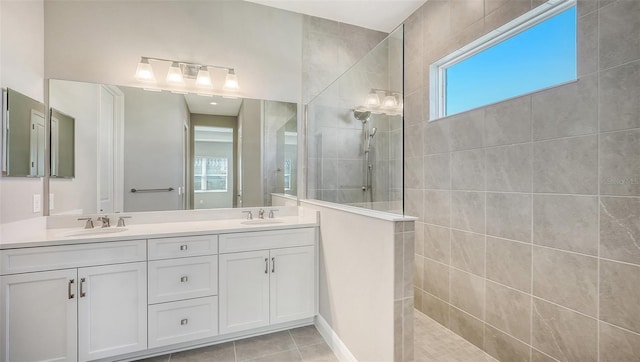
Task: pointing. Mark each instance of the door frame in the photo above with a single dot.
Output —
(117, 147)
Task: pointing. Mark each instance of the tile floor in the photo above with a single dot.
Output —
(433, 342)
(299, 344)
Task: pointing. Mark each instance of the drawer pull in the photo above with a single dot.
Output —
(184, 279)
(70, 294)
(184, 247)
(184, 322)
(266, 265)
(273, 265)
(82, 293)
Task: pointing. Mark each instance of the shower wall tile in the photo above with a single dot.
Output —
(508, 122)
(437, 243)
(504, 347)
(537, 356)
(566, 222)
(413, 172)
(467, 292)
(413, 113)
(468, 170)
(350, 143)
(413, 81)
(419, 247)
(413, 141)
(620, 295)
(509, 263)
(505, 13)
(564, 334)
(509, 310)
(509, 216)
(437, 171)
(587, 42)
(437, 207)
(568, 279)
(586, 7)
(619, 33)
(467, 251)
(467, 211)
(467, 326)
(567, 110)
(350, 174)
(465, 13)
(619, 163)
(435, 308)
(509, 168)
(419, 271)
(617, 344)
(436, 137)
(436, 25)
(329, 174)
(436, 279)
(566, 166)
(620, 229)
(414, 203)
(619, 93)
(466, 130)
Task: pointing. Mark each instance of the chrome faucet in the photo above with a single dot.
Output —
(105, 221)
(249, 214)
(260, 214)
(89, 222)
(271, 213)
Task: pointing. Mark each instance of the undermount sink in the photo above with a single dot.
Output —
(93, 232)
(262, 222)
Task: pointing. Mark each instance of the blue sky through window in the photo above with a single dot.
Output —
(539, 57)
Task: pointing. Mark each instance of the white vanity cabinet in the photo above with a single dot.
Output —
(183, 289)
(56, 307)
(266, 278)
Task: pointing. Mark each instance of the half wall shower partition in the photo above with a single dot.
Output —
(355, 133)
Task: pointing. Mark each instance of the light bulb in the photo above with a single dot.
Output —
(144, 72)
(175, 74)
(372, 99)
(231, 81)
(389, 101)
(204, 79)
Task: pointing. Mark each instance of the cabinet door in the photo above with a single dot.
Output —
(293, 284)
(112, 310)
(38, 316)
(244, 291)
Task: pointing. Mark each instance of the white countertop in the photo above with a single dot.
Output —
(38, 235)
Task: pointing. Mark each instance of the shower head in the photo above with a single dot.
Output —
(362, 116)
(373, 132)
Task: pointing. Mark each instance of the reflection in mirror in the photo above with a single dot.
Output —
(139, 150)
(62, 144)
(23, 135)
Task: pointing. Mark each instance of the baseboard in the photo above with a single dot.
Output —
(333, 340)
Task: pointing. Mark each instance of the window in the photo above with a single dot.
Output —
(210, 174)
(287, 175)
(534, 51)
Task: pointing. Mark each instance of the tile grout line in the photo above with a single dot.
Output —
(599, 188)
(296, 344)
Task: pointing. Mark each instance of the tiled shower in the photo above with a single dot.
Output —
(528, 238)
(359, 161)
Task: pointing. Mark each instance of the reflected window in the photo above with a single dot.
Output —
(287, 175)
(211, 174)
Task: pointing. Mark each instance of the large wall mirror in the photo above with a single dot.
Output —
(23, 135)
(139, 150)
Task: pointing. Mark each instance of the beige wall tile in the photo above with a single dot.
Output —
(466, 130)
(619, 33)
(435, 308)
(436, 279)
(620, 295)
(437, 172)
(620, 229)
(617, 344)
(467, 292)
(619, 163)
(509, 263)
(437, 243)
(619, 92)
(508, 122)
(467, 251)
(467, 211)
(509, 310)
(468, 170)
(437, 207)
(509, 168)
(509, 216)
(504, 347)
(467, 326)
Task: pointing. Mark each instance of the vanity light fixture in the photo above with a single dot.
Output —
(231, 81)
(389, 101)
(372, 99)
(174, 76)
(144, 72)
(180, 71)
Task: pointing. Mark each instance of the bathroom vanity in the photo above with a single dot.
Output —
(153, 288)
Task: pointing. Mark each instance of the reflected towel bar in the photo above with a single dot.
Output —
(153, 190)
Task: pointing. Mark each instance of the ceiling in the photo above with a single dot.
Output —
(382, 15)
(223, 107)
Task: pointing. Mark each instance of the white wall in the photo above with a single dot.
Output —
(153, 148)
(357, 281)
(22, 69)
(80, 101)
(102, 41)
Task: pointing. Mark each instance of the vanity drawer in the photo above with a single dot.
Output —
(167, 248)
(71, 256)
(183, 278)
(263, 240)
(183, 321)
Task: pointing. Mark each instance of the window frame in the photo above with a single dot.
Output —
(203, 175)
(438, 69)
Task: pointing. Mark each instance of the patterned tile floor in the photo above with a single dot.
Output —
(299, 344)
(433, 342)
